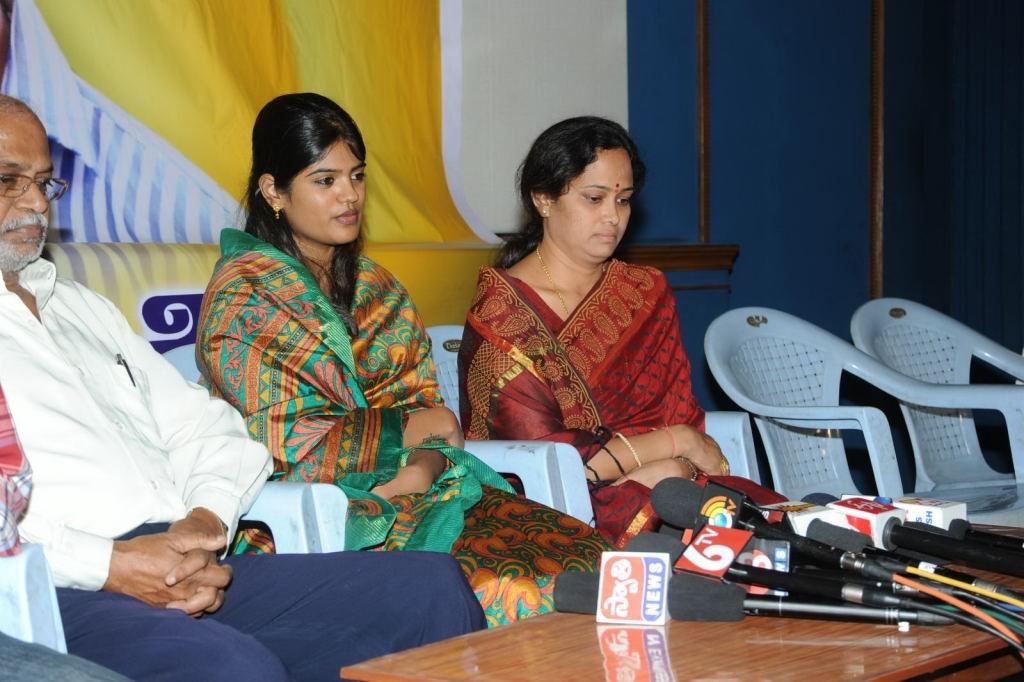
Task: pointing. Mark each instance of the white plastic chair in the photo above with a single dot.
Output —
(307, 517)
(551, 473)
(786, 372)
(303, 518)
(28, 601)
(555, 470)
(925, 344)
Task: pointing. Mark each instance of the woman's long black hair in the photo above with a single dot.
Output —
(292, 132)
(557, 157)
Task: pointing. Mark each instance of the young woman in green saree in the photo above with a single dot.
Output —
(324, 354)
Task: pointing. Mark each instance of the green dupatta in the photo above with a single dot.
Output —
(431, 522)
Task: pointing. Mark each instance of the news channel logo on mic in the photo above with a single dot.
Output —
(633, 588)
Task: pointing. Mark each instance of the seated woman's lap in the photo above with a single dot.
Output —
(512, 548)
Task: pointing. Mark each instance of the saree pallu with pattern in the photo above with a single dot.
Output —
(616, 364)
(331, 408)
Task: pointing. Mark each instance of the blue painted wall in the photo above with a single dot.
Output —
(790, 135)
(789, 140)
(954, 198)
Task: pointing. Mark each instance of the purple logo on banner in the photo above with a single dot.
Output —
(170, 319)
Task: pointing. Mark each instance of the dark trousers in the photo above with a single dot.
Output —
(285, 617)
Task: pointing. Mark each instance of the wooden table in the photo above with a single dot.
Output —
(563, 647)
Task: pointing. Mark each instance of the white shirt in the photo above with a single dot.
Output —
(113, 444)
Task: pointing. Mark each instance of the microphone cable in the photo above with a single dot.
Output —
(1009, 615)
(980, 620)
(967, 587)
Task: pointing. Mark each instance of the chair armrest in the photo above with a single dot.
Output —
(551, 473)
(732, 432)
(870, 421)
(574, 483)
(303, 517)
(532, 461)
(1003, 359)
(28, 601)
(1007, 399)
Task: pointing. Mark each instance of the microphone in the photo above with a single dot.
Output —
(656, 542)
(630, 588)
(871, 517)
(692, 598)
(818, 586)
(676, 499)
(933, 512)
(852, 541)
(932, 541)
(961, 529)
(820, 499)
(704, 600)
(973, 554)
(799, 515)
(576, 592)
(780, 606)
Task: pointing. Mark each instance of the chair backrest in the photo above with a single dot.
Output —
(925, 344)
(550, 473)
(768, 363)
(446, 339)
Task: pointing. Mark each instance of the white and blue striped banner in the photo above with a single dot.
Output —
(127, 183)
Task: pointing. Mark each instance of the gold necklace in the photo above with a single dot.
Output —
(551, 281)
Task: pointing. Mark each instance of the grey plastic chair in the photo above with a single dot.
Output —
(929, 346)
(786, 372)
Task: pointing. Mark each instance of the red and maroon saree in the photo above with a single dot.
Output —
(617, 364)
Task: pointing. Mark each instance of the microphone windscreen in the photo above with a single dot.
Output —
(677, 501)
(692, 598)
(837, 536)
(670, 530)
(929, 528)
(576, 592)
(656, 542)
(959, 528)
(820, 499)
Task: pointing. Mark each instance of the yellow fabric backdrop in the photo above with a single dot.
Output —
(197, 71)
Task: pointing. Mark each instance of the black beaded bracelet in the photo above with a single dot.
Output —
(614, 459)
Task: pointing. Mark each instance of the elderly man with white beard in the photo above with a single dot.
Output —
(140, 478)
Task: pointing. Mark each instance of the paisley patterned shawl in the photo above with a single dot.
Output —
(330, 409)
(616, 364)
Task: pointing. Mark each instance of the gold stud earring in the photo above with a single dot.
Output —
(277, 211)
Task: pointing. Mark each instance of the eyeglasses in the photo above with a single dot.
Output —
(14, 186)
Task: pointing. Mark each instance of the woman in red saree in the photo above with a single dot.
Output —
(565, 343)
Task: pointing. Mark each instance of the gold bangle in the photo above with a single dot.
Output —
(631, 449)
(693, 467)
